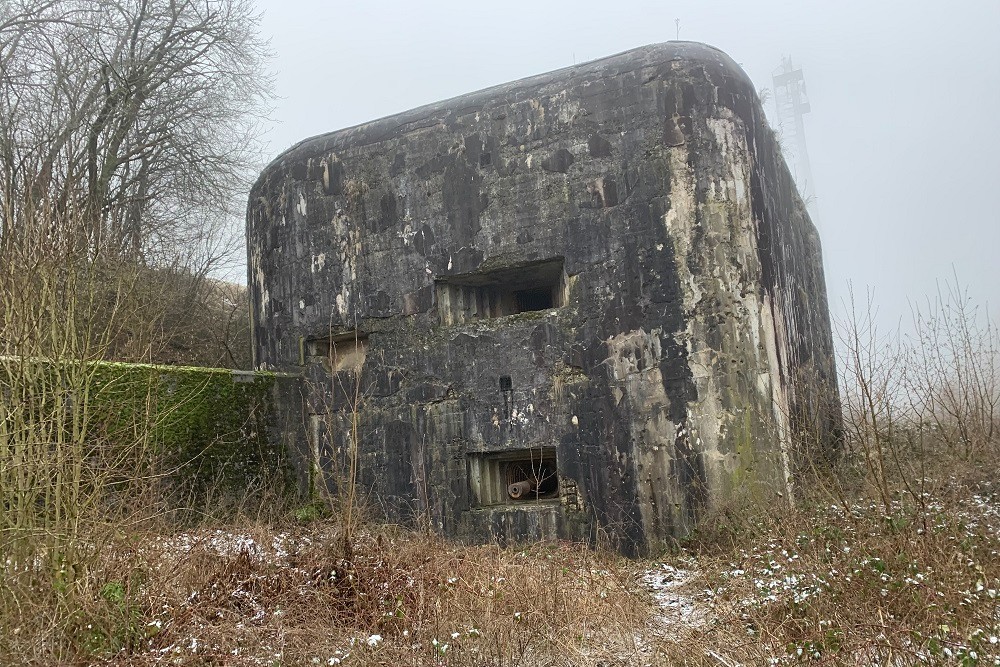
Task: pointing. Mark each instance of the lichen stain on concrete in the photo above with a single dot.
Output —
(601, 276)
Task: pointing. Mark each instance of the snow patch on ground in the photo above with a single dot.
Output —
(678, 611)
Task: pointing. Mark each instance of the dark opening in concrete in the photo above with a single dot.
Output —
(511, 477)
(534, 299)
(487, 294)
(338, 352)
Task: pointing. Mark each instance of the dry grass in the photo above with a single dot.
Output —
(824, 584)
(851, 584)
(259, 596)
(839, 580)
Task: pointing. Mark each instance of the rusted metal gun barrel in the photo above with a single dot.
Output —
(519, 490)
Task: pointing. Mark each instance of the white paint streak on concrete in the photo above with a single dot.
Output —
(733, 315)
(772, 322)
(318, 262)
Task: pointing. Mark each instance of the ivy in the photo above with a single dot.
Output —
(210, 431)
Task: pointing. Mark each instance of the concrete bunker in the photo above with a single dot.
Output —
(581, 305)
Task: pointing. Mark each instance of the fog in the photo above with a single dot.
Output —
(903, 133)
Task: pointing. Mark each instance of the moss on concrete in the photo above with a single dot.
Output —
(211, 432)
(213, 425)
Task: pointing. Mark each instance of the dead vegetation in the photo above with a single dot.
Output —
(835, 584)
(824, 584)
(890, 557)
(260, 596)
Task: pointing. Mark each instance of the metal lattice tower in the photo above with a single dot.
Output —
(792, 104)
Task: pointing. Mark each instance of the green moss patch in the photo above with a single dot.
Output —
(214, 428)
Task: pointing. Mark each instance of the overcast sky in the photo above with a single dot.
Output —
(903, 136)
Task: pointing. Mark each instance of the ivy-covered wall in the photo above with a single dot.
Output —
(218, 431)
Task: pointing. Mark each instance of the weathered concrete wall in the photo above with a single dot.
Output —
(643, 198)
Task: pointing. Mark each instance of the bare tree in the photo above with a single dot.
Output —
(954, 372)
(127, 142)
(139, 114)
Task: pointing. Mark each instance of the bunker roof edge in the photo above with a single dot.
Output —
(382, 128)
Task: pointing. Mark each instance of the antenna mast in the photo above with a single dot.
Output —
(792, 104)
